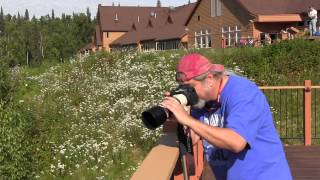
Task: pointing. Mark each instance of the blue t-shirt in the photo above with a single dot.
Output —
(245, 110)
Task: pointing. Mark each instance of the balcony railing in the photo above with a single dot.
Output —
(295, 112)
(296, 115)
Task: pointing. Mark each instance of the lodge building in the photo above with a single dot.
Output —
(203, 24)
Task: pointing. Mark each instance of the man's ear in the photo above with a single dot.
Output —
(210, 79)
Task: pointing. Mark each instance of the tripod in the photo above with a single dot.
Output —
(186, 152)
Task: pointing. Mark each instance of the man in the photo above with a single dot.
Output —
(312, 13)
(240, 140)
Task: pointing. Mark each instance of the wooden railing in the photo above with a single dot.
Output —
(163, 160)
(295, 112)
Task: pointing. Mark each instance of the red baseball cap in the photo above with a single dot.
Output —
(193, 65)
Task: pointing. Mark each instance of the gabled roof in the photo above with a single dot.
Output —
(271, 7)
(120, 18)
(161, 28)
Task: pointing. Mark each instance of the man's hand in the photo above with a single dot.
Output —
(177, 109)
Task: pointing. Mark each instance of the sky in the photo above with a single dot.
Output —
(44, 7)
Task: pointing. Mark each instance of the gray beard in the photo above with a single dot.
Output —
(200, 104)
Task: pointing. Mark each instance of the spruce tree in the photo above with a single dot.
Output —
(88, 14)
(26, 15)
(1, 13)
(1, 21)
(52, 14)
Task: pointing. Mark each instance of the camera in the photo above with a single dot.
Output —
(157, 115)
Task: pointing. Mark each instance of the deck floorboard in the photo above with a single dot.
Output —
(304, 162)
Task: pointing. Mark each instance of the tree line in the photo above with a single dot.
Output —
(33, 41)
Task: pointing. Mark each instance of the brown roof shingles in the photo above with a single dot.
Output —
(161, 28)
(272, 7)
(269, 7)
(126, 15)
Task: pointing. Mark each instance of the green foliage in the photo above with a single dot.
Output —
(17, 149)
(284, 63)
(4, 87)
(32, 42)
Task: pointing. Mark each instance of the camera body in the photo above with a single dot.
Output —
(157, 115)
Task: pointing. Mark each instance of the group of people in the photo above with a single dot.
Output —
(312, 14)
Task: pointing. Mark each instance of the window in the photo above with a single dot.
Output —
(202, 39)
(107, 34)
(216, 8)
(198, 18)
(231, 35)
(148, 46)
(166, 45)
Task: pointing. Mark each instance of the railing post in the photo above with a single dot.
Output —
(307, 113)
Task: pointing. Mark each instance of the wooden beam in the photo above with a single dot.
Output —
(279, 18)
(307, 111)
(281, 87)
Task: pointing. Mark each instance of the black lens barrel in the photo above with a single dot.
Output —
(154, 117)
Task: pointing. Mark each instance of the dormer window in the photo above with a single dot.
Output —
(150, 24)
(153, 14)
(216, 8)
(134, 27)
(116, 17)
(170, 21)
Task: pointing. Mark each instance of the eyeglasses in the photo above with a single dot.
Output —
(181, 77)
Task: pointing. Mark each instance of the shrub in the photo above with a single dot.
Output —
(16, 150)
(4, 83)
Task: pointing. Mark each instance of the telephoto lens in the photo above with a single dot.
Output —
(157, 115)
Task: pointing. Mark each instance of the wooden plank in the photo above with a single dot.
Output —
(281, 87)
(161, 161)
(304, 161)
(279, 18)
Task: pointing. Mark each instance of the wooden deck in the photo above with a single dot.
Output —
(304, 162)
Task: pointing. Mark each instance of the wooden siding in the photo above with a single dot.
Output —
(232, 15)
(112, 37)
